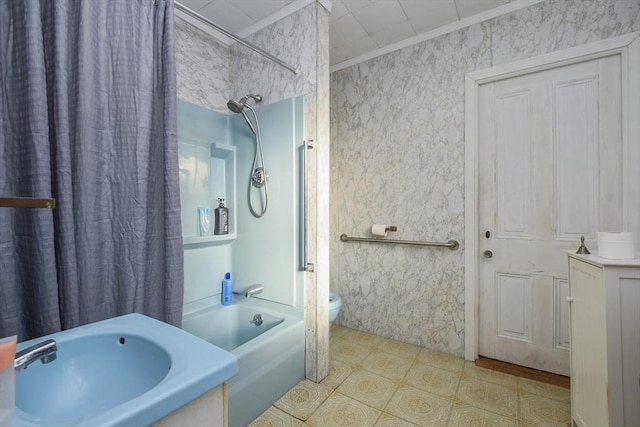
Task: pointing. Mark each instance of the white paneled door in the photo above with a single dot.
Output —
(550, 171)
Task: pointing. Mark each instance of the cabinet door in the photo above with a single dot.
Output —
(626, 284)
(589, 381)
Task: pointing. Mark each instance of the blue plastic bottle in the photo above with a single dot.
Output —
(227, 290)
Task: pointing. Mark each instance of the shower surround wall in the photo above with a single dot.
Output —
(209, 74)
(398, 158)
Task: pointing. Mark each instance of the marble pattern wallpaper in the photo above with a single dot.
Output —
(293, 40)
(202, 68)
(397, 150)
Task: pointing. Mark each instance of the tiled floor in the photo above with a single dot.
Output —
(375, 381)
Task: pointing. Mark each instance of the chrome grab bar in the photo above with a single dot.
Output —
(306, 265)
(451, 244)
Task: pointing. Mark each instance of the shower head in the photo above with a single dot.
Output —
(238, 106)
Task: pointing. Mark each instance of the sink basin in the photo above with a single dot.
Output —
(90, 375)
(126, 371)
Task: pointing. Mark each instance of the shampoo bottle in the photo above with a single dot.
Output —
(221, 218)
(227, 290)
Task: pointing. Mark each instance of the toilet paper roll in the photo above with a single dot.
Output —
(615, 245)
(379, 230)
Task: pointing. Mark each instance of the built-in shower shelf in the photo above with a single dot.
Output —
(207, 173)
(208, 240)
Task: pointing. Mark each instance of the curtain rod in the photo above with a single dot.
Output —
(191, 13)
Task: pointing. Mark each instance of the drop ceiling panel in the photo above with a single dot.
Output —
(468, 8)
(393, 34)
(356, 5)
(257, 10)
(358, 47)
(379, 15)
(345, 30)
(427, 15)
(337, 56)
(338, 10)
(226, 15)
(195, 5)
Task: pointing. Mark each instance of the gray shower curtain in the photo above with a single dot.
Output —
(88, 116)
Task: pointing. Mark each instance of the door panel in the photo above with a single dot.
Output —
(550, 171)
(513, 306)
(575, 143)
(513, 150)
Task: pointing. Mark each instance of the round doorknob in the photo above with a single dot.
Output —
(487, 254)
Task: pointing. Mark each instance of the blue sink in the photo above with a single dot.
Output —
(90, 375)
(126, 371)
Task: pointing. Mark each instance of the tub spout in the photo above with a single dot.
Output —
(44, 351)
(255, 289)
(250, 291)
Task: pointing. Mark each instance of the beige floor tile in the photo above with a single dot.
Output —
(463, 415)
(339, 331)
(488, 396)
(386, 365)
(303, 399)
(368, 388)
(543, 412)
(419, 407)
(361, 363)
(274, 417)
(472, 371)
(434, 380)
(339, 410)
(338, 372)
(387, 420)
(440, 360)
(364, 339)
(399, 348)
(527, 386)
(346, 351)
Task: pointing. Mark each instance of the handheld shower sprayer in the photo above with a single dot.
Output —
(258, 177)
(239, 106)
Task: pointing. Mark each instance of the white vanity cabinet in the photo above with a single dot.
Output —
(604, 296)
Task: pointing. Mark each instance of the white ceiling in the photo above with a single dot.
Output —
(356, 27)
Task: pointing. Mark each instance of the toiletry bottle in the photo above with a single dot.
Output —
(222, 219)
(227, 290)
(204, 219)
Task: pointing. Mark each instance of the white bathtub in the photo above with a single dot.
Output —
(270, 356)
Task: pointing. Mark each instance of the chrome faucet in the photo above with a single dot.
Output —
(44, 351)
(250, 291)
